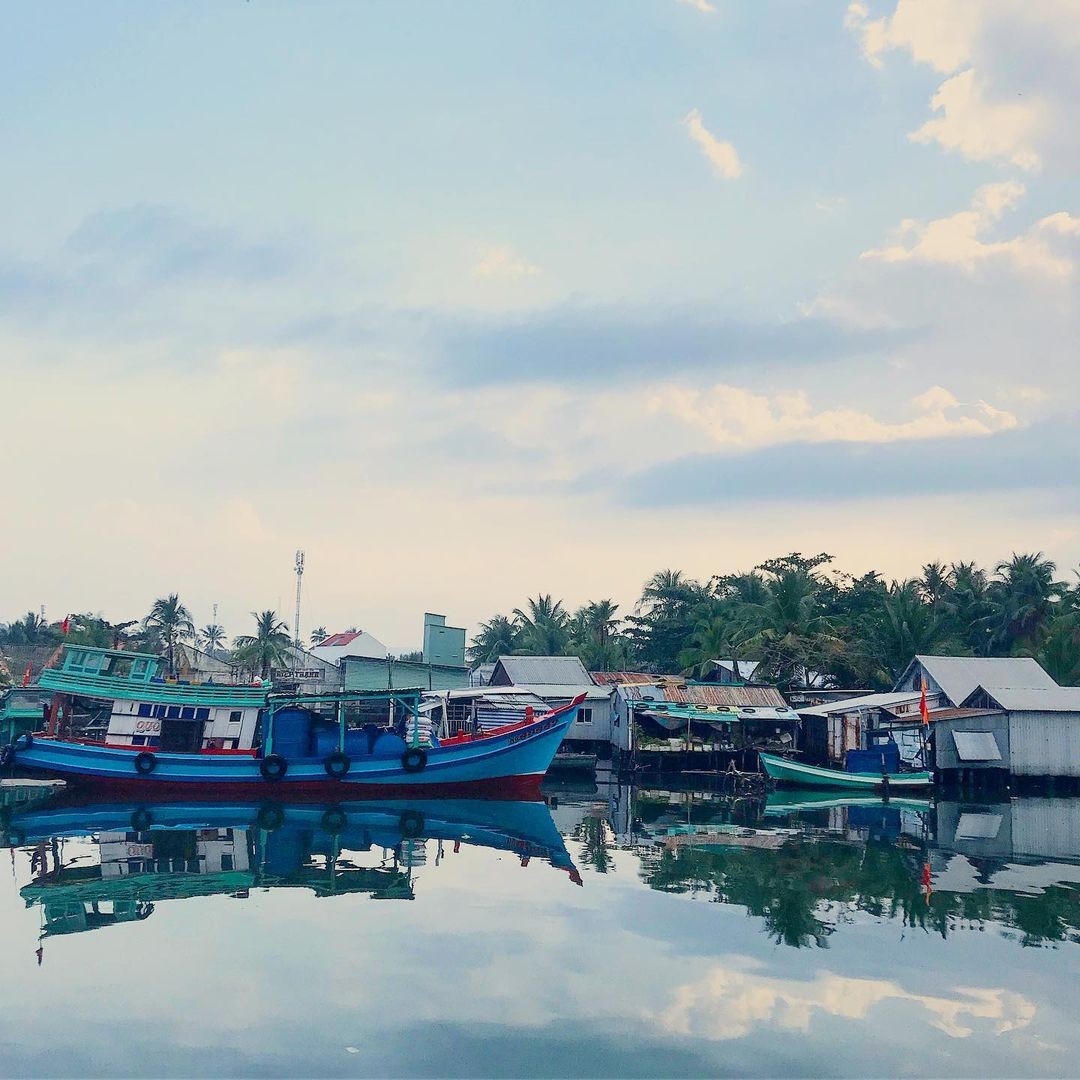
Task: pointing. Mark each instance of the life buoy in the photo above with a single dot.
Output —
(414, 759)
(411, 824)
(270, 817)
(23, 741)
(145, 763)
(273, 767)
(141, 819)
(337, 764)
(334, 820)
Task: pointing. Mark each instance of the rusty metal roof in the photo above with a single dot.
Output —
(712, 694)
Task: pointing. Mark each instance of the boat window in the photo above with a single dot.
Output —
(202, 714)
(118, 667)
(173, 712)
(138, 669)
(146, 710)
(187, 713)
(236, 716)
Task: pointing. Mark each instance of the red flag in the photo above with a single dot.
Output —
(65, 626)
(924, 712)
(26, 675)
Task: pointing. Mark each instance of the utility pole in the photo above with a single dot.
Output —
(299, 578)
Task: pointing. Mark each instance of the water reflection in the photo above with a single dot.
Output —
(98, 865)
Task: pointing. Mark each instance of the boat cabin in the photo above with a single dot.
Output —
(125, 699)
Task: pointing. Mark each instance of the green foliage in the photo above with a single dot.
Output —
(268, 647)
(167, 627)
(800, 619)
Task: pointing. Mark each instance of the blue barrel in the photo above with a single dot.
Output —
(292, 733)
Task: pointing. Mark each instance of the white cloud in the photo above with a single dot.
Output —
(701, 5)
(937, 32)
(728, 1003)
(500, 261)
(1012, 65)
(830, 204)
(983, 130)
(733, 416)
(956, 240)
(723, 157)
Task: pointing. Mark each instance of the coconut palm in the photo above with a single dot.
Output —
(211, 637)
(268, 647)
(319, 635)
(169, 624)
(909, 626)
(716, 636)
(544, 630)
(496, 637)
(1023, 598)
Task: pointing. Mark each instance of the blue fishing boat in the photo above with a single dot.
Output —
(116, 719)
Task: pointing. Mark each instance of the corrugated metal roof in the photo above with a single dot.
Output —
(745, 668)
(564, 691)
(714, 694)
(1033, 699)
(864, 701)
(624, 678)
(549, 670)
(959, 675)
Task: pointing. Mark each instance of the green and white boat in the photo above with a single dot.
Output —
(798, 774)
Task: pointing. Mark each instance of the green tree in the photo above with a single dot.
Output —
(1023, 598)
(268, 647)
(544, 630)
(169, 623)
(910, 625)
(496, 637)
(318, 635)
(211, 637)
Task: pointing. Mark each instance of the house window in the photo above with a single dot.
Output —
(584, 716)
(226, 862)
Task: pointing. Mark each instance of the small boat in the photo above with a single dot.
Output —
(798, 774)
(116, 720)
(781, 803)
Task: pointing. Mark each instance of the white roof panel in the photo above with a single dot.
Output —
(1035, 699)
(959, 675)
(976, 746)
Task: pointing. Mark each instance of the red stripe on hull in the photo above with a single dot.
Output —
(508, 788)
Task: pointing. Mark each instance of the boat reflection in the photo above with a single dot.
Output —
(98, 865)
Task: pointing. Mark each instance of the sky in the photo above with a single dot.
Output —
(477, 301)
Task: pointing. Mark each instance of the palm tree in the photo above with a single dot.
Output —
(497, 637)
(935, 583)
(544, 631)
(211, 637)
(1024, 598)
(170, 623)
(268, 647)
(319, 635)
(716, 637)
(909, 626)
(969, 606)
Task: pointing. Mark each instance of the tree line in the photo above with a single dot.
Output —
(798, 617)
(167, 630)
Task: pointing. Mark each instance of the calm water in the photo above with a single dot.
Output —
(614, 933)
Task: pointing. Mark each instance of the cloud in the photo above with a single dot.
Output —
(579, 344)
(721, 154)
(729, 1003)
(736, 417)
(503, 262)
(980, 129)
(957, 240)
(1019, 460)
(1012, 67)
(700, 5)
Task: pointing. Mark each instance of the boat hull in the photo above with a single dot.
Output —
(797, 774)
(507, 765)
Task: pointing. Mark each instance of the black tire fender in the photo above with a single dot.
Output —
(145, 763)
(273, 767)
(414, 759)
(141, 819)
(337, 764)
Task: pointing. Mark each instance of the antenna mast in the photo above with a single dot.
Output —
(299, 578)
